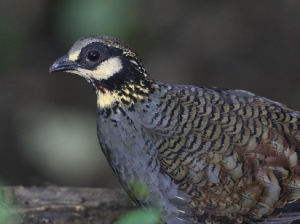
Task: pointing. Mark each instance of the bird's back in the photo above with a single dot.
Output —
(234, 153)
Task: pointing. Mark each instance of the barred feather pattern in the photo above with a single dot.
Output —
(228, 155)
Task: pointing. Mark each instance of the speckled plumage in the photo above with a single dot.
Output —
(207, 155)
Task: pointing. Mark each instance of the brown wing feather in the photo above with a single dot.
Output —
(234, 153)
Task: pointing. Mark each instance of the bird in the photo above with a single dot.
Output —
(206, 154)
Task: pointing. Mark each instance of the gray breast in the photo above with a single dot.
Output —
(129, 148)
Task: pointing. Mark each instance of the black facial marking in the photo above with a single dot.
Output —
(93, 54)
(128, 75)
(131, 74)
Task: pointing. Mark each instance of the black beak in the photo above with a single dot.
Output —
(63, 64)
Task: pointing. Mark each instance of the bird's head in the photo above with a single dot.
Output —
(106, 62)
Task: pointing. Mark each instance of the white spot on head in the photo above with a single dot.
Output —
(134, 62)
(74, 55)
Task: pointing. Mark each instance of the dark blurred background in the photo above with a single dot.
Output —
(48, 129)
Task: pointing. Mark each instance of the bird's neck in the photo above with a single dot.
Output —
(126, 96)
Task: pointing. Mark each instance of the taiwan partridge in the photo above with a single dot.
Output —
(206, 154)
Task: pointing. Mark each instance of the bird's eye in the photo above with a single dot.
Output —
(93, 55)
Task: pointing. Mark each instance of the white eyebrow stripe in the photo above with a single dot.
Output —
(75, 51)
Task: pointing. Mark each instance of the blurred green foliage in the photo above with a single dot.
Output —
(9, 42)
(141, 216)
(76, 19)
(6, 215)
(141, 191)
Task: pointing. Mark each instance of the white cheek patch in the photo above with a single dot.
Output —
(104, 71)
(107, 69)
(81, 72)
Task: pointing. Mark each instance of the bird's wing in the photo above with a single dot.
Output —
(234, 153)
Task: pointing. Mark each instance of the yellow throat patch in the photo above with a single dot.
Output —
(105, 99)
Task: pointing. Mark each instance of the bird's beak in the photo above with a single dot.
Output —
(63, 64)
